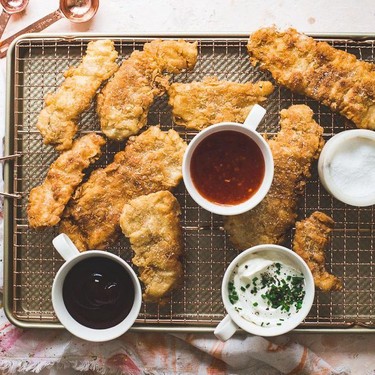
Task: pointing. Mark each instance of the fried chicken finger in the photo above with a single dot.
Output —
(124, 102)
(150, 162)
(334, 77)
(48, 200)
(57, 121)
(197, 105)
(152, 224)
(310, 241)
(294, 149)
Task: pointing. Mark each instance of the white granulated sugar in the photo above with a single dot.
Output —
(352, 168)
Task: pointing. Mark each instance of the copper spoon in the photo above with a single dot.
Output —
(10, 7)
(77, 11)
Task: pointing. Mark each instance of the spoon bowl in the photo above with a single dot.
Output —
(79, 10)
(10, 7)
(14, 6)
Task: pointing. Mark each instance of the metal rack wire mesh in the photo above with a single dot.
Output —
(38, 68)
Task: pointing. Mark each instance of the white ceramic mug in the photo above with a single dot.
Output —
(249, 129)
(233, 320)
(72, 257)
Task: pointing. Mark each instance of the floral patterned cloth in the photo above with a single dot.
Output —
(155, 353)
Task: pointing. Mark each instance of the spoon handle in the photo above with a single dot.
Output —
(4, 18)
(39, 25)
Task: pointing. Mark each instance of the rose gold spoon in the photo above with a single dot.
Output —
(77, 11)
(10, 7)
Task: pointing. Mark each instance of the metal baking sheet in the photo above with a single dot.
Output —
(35, 67)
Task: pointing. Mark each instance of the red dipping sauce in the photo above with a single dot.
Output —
(227, 167)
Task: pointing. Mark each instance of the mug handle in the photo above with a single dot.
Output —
(225, 329)
(255, 116)
(64, 245)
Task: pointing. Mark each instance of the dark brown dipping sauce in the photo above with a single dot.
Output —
(98, 293)
(227, 167)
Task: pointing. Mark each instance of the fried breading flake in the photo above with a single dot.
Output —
(197, 105)
(57, 121)
(152, 224)
(150, 162)
(124, 102)
(48, 200)
(310, 241)
(294, 149)
(316, 69)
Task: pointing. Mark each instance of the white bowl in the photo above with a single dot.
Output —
(346, 167)
(249, 129)
(254, 200)
(72, 257)
(233, 320)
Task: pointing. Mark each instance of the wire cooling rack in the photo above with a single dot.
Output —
(36, 68)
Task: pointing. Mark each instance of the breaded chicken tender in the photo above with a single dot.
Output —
(197, 105)
(153, 226)
(310, 241)
(333, 77)
(150, 162)
(57, 121)
(48, 200)
(124, 102)
(294, 148)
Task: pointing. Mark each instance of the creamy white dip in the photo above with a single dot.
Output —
(266, 291)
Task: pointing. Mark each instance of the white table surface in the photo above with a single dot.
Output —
(127, 16)
(235, 16)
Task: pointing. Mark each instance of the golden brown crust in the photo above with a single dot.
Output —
(153, 226)
(47, 201)
(197, 105)
(331, 76)
(310, 241)
(124, 102)
(294, 149)
(150, 162)
(56, 122)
